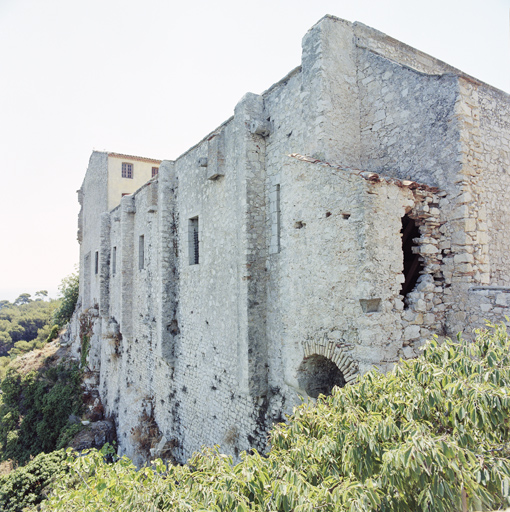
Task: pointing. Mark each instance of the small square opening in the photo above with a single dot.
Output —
(370, 305)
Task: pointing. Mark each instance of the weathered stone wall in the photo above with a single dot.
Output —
(408, 128)
(93, 199)
(211, 391)
(351, 231)
(266, 274)
(494, 125)
(488, 304)
(399, 52)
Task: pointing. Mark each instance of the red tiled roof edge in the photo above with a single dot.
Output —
(137, 158)
(372, 177)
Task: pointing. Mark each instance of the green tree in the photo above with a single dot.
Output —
(24, 298)
(433, 435)
(69, 289)
(25, 322)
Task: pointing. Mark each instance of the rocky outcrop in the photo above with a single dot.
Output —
(95, 435)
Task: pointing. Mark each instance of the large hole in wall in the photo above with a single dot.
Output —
(317, 375)
(413, 264)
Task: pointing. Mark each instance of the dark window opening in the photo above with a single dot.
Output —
(413, 264)
(114, 261)
(96, 263)
(127, 170)
(141, 252)
(155, 171)
(193, 241)
(317, 375)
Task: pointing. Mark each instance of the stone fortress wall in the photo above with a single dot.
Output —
(267, 262)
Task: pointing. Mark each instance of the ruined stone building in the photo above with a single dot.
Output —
(335, 222)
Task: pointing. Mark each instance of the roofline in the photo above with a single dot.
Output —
(371, 177)
(132, 157)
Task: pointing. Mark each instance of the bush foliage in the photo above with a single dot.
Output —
(69, 289)
(35, 408)
(432, 435)
(25, 486)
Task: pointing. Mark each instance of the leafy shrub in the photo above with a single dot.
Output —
(69, 288)
(35, 409)
(21, 347)
(53, 334)
(432, 435)
(24, 486)
(67, 434)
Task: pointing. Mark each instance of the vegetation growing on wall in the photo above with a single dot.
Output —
(432, 435)
(86, 331)
(69, 288)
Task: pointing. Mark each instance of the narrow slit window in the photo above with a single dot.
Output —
(274, 208)
(278, 218)
(141, 252)
(193, 241)
(413, 264)
(96, 262)
(114, 261)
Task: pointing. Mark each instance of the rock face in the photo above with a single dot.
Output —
(333, 224)
(95, 435)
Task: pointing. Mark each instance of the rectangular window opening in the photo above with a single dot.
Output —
(155, 171)
(141, 252)
(127, 170)
(114, 261)
(278, 217)
(193, 241)
(96, 262)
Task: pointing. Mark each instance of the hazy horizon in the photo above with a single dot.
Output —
(153, 79)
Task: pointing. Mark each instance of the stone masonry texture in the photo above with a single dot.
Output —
(267, 262)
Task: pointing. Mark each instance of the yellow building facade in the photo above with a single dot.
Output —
(126, 174)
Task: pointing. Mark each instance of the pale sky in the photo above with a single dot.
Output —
(152, 78)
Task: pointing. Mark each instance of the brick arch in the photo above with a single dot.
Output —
(334, 352)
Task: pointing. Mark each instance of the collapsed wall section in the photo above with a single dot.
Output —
(422, 119)
(336, 282)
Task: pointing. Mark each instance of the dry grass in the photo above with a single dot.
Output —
(49, 355)
(6, 467)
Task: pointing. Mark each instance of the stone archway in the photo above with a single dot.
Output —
(324, 366)
(317, 375)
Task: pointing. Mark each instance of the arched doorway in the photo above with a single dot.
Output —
(317, 375)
